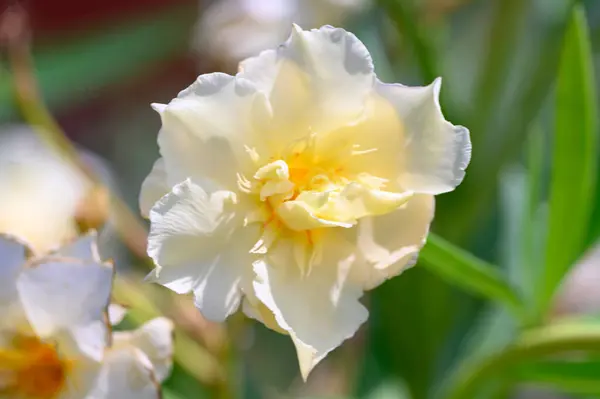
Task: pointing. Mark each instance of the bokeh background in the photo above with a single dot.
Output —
(99, 64)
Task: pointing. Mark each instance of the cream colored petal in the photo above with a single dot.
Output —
(83, 248)
(153, 187)
(126, 374)
(198, 244)
(61, 294)
(320, 309)
(206, 127)
(316, 81)
(300, 215)
(155, 340)
(391, 243)
(437, 152)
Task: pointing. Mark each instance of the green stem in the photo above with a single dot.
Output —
(533, 344)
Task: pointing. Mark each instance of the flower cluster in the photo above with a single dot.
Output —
(294, 186)
(55, 338)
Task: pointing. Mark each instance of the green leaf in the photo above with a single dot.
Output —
(459, 213)
(404, 16)
(515, 227)
(505, 31)
(468, 272)
(492, 332)
(539, 343)
(574, 157)
(523, 227)
(571, 377)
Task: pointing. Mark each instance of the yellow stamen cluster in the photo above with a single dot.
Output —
(31, 369)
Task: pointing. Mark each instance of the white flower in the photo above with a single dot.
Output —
(41, 194)
(297, 184)
(137, 361)
(231, 30)
(53, 330)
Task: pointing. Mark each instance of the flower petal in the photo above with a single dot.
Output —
(12, 255)
(190, 241)
(153, 187)
(155, 339)
(116, 313)
(391, 243)
(82, 378)
(126, 373)
(312, 209)
(68, 295)
(437, 151)
(83, 248)
(205, 129)
(323, 75)
(319, 309)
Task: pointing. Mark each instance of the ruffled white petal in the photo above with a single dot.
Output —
(319, 309)
(61, 295)
(155, 340)
(205, 129)
(153, 187)
(390, 243)
(126, 374)
(436, 153)
(197, 244)
(318, 79)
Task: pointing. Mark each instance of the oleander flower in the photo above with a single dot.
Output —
(45, 200)
(232, 30)
(296, 185)
(53, 330)
(135, 362)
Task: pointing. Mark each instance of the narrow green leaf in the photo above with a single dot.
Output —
(514, 228)
(492, 332)
(405, 19)
(523, 222)
(505, 31)
(459, 213)
(539, 343)
(574, 157)
(468, 272)
(571, 377)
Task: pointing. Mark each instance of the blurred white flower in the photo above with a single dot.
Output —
(55, 342)
(44, 199)
(53, 330)
(232, 30)
(137, 361)
(299, 183)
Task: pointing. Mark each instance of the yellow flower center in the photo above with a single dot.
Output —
(32, 369)
(308, 188)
